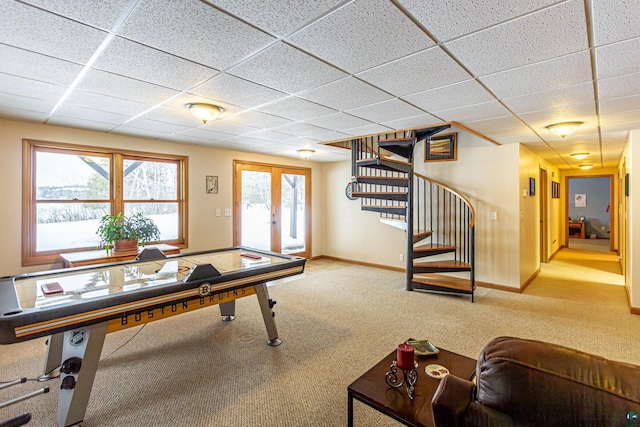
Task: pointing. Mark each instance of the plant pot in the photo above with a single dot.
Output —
(125, 247)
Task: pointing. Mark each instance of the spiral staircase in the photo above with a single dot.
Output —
(438, 221)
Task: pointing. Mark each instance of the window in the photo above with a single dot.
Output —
(68, 188)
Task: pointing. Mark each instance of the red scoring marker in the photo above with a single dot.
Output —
(248, 255)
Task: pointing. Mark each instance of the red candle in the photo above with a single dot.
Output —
(405, 356)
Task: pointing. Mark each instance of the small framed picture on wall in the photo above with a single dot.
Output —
(532, 186)
(212, 184)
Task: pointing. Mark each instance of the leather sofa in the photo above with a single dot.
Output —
(523, 382)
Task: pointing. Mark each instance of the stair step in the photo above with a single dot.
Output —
(382, 195)
(394, 210)
(393, 181)
(428, 132)
(444, 266)
(442, 283)
(384, 163)
(430, 249)
(417, 237)
(400, 146)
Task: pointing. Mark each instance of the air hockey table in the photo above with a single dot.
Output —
(77, 307)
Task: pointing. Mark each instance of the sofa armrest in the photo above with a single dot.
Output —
(451, 399)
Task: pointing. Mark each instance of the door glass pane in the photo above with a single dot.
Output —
(293, 214)
(256, 210)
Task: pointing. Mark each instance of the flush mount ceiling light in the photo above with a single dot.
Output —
(563, 129)
(204, 112)
(580, 156)
(305, 153)
(586, 166)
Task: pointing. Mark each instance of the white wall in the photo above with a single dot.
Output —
(631, 252)
(206, 231)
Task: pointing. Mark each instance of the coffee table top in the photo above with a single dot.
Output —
(372, 389)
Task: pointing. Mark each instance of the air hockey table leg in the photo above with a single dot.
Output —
(268, 315)
(54, 353)
(81, 350)
(228, 310)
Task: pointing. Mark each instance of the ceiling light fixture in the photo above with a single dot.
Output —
(580, 156)
(305, 153)
(204, 112)
(564, 129)
(586, 166)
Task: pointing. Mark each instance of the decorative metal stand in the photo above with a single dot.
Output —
(408, 376)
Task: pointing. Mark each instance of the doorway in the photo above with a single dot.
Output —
(544, 245)
(272, 208)
(589, 206)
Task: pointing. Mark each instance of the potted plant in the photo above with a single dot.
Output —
(124, 233)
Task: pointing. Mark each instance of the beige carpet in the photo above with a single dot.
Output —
(335, 321)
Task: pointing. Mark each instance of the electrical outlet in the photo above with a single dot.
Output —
(401, 257)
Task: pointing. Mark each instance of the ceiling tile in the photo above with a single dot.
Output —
(34, 66)
(339, 121)
(392, 109)
(52, 35)
(139, 132)
(257, 120)
(620, 105)
(531, 38)
(74, 122)
(302, 130)
(139, 62)
(228, 126)
(345, 94)
(416, 73)
(621, 126)
(237, 91)
(26, 103)
(620, 118)
(468, 16)
(179, 28)
(125, 88)
(618, 59)
(277, 17)
(269, 135)
(615, 20)
(76, 112)
(22, 115)
(30, 88)
(410, 122)
(102, 14)
(502, 126)
(569, 95)
(180, 116)
(294, 108)
(245, 141)
(367, 130)
(487, 110)
(556, 73)
(468, 92)
(361, 35)
(285, 68)
(618, 87)
(205, 135)
(154, 125)
(96, 101)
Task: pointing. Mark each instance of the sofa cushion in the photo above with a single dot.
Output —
(543, 384)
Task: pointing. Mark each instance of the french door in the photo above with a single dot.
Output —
(272, 207)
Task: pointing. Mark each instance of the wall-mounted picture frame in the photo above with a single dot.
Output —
(626, 185)
(441, 148)
(555, 190)
(211, 184)
(532, 186)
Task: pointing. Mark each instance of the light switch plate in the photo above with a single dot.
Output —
(227, 211)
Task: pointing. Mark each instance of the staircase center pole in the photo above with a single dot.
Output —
(409, 256)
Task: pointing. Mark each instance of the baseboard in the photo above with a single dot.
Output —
(529, 280)
(366, 264)
(635, 310)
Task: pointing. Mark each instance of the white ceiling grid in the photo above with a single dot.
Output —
(292, 74)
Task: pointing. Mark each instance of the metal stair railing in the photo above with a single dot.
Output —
(448, 215)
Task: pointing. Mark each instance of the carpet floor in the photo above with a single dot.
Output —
(335, 322)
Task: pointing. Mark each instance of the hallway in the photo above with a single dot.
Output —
(582, 275)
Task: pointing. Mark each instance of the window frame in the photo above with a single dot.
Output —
(30, 256)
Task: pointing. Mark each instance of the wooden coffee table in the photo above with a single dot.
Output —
(372, 389)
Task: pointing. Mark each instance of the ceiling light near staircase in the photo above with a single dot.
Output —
(586, 166)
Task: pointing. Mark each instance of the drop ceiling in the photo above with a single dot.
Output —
(293, 74)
